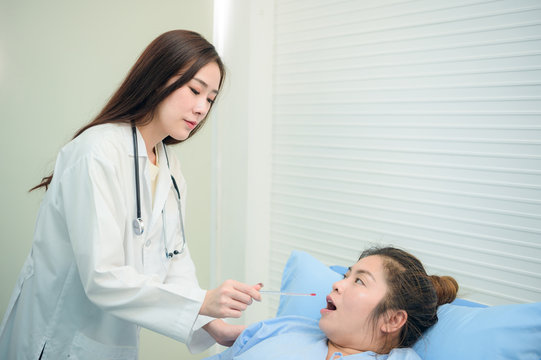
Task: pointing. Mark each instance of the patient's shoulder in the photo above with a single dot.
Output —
(283, 337)
(403, 354)
(294, 323)
(284, 325)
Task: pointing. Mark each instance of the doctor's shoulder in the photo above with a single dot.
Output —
(109, 143)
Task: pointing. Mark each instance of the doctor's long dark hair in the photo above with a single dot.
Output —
(143, 89)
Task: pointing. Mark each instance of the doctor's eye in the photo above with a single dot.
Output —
(194, 91)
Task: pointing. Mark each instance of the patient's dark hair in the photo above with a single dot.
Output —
(409, 288)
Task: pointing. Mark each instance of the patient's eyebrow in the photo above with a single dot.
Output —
(360, 271)
(204, 84)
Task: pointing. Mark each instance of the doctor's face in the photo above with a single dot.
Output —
(347, 321)
(179, 113)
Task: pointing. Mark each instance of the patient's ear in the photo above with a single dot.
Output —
(394, 320)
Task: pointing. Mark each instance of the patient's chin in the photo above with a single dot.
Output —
(338, 340)
(326, 324)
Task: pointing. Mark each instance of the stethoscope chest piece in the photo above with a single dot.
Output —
(138, 226)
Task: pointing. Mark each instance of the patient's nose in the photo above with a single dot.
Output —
(338, 286)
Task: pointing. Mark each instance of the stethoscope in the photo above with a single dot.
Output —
(138, 224)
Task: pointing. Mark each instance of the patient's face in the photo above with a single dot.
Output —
(347, 319)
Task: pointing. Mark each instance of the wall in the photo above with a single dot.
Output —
(59, 63)
(244, 37)
(433, 108)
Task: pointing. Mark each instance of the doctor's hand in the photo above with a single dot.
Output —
(225, 334)
(229, 299)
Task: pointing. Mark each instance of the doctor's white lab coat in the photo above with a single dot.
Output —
(90, 283)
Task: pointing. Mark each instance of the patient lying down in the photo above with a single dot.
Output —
(385, 302)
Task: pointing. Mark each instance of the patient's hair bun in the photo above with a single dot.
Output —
(446, 288)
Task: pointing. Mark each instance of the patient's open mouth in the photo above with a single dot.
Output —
(330, 304)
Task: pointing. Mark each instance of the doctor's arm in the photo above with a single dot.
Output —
(223, 333)
(92, 200)
(229, 299)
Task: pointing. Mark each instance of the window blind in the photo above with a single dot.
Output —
(416, 124)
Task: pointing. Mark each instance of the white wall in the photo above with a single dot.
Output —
(242, 133)
(60, 60)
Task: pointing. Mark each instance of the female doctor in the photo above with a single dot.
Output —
(109, 253)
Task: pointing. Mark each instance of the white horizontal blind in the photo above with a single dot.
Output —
(412, 123)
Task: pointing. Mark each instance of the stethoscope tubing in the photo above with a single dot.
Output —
(138, 224)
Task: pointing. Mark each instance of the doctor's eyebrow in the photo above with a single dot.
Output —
(204, 84)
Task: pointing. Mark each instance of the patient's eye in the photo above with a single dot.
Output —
(359, 281)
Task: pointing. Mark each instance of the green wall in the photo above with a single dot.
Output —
(60, 60)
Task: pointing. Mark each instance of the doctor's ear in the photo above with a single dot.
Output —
(393, 320)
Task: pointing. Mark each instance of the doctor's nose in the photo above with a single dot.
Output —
(201, 108)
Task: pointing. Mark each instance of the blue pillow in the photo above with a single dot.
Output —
(464, 330)
(493, 332)
(464, 302)
(305, 274)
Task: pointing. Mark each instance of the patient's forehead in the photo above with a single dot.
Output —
(372, 266)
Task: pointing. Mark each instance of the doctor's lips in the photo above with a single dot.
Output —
(191, 124)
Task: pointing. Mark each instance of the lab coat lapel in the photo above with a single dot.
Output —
(163, 187)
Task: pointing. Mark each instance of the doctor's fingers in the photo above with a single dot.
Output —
(251, 290)
(224, 307)
(225, 301)
(232, 309)
(240, 291)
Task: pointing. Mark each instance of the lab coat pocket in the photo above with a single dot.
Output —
(84, 348)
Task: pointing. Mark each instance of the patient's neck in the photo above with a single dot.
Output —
(333, 348)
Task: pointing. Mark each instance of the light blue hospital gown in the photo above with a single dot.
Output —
(294, 338)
